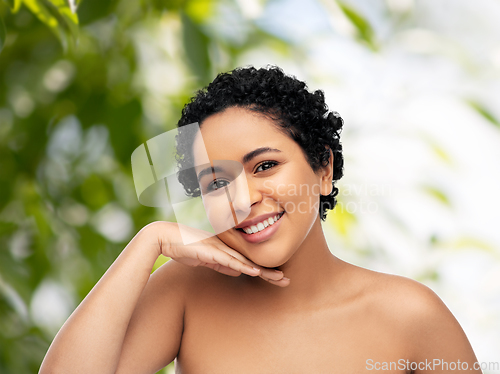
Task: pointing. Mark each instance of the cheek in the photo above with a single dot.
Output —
(295, 186)
(232, 240)
(219, 212)
(299, 195)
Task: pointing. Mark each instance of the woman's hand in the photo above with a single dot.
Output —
(209, 251)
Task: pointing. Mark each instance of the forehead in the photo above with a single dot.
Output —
(231, 134)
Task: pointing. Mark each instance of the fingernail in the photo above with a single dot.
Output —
(285, 278)
(257, 269)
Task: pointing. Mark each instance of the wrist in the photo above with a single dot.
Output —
(158, 237)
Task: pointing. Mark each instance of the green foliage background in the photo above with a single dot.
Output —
(56, 66)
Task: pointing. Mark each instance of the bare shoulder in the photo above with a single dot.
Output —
(185, 279)
(172, 273)
(418, 315)
(188, 286)
(403, 296)
(401, 300)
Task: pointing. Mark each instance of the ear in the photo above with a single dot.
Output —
(326, 173)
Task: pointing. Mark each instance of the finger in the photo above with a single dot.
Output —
(224, 270)
(268, 273)
(283, 282)
(229, 261)
(238, 256)
(272, 274)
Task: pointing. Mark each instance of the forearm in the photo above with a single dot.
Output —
(91, 339)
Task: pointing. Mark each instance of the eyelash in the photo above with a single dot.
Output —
(273, 163)
(211, 187)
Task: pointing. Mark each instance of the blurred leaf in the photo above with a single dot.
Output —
(91, 10)
(466, 242)
(171, 5)
(68, 15)
(91, 243)
(7, 228)
(438, 194)
(436, 147)
(14, 5)
(122, 122)
(58, 16)
(196, 48)
(475, 243)
(199, 10)
(441, 153)
(41, 11)
(3, 34)
(428, 275)
(484, 112)
(341, 219)
(363, 27)
(95, 191)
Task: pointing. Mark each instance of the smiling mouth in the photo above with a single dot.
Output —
(260, 226)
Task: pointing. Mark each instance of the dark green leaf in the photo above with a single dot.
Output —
(58, 16)
(14, 5)
(3, 34)
(196, 49)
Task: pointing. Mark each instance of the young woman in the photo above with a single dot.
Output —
(265, 295)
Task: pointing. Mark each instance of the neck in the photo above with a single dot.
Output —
(313, 271)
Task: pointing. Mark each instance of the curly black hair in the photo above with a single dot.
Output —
(302, 115)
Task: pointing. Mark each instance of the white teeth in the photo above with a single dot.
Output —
(261, 225)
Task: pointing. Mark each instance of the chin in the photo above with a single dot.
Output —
(263, 254)
(268, 261)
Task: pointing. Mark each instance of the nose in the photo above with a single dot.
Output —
(239, 198)
(254, 192)
(244, 193)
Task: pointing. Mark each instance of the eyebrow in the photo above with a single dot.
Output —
(256, 152)
(247, 158)
(209, 170)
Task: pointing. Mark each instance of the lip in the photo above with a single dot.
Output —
(255, 220)
(264, 234)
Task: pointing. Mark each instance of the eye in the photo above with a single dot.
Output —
(216, 184)
(266, 165)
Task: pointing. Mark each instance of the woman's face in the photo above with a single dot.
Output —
(260, 193)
